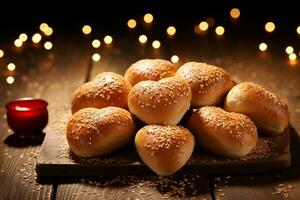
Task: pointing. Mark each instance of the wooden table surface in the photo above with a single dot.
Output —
(54, 75)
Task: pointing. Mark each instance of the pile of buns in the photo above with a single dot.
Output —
(224, 115)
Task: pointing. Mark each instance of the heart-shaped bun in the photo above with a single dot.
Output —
(97, 132)
(269, 112)
(107, 89)
(161, 102)
(149, 69)
(224, 133)
(209, 84)
(164, 149)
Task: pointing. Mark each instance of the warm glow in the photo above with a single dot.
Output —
(96, 57)
(292, 56)
(48, 31)
(108, 39)
(1, 53)
(174, 59)
(220, 30)
(143, 39)
(10, 80)
(148, 18)
(156, 44)
(171, 30)
(298, 30)
(86, 29)
(203, 26)
(11, 66)
(131, 23)
(23, 37)
(18, 43)
(263, 46)
(43, 26)
(96, 43)
(289, 50)
(235, 13)
(48, 45)
(36, 38)
(270, 27)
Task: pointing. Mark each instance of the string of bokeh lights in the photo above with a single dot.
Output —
(201, 28)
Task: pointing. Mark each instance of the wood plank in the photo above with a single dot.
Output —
(57, 160)
(49, 76)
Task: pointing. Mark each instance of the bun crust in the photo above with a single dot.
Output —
(268, 111)
(161, 102)
(209, 84)
(165, 149)
(149, 69)
(97, 132)
(107, 89)
(223, 133)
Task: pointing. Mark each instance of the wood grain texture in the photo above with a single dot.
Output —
(40, 74)
(136, 187)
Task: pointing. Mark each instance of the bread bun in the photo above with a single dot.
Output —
(229, 134)
(209, 84)
(97, 132)
(107, 89)
(149, 69)
(161, 102)
(164, 149)
(268, 111)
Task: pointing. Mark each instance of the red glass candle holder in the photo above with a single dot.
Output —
(27, 116)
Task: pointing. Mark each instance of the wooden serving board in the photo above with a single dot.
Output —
(55, 158)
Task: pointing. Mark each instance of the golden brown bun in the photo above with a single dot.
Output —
(149, 69)
(107, 89)
(209, 84)
(268, 111)
(164, 149)
(97, 132)
(224, 133)
(161, 102)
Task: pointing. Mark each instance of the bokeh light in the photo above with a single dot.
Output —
(86, 29)
(235, 13)
(174, 59)
(48, 45)
(1, 53)
(148, 18)
(289, 49)
(36, 38)
(11, 66)
(143, 39)
(108, 39)
(18, 43)
(171, 30)
(131, 23)
(96, 43)
(220, 30)
(10, 79)
(263, 46)
(23, 37)
(96, 57)
(156, 44)
(292, 56)
(203, 26)
(270, 27)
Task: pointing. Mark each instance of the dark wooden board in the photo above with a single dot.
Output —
(55, 158)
